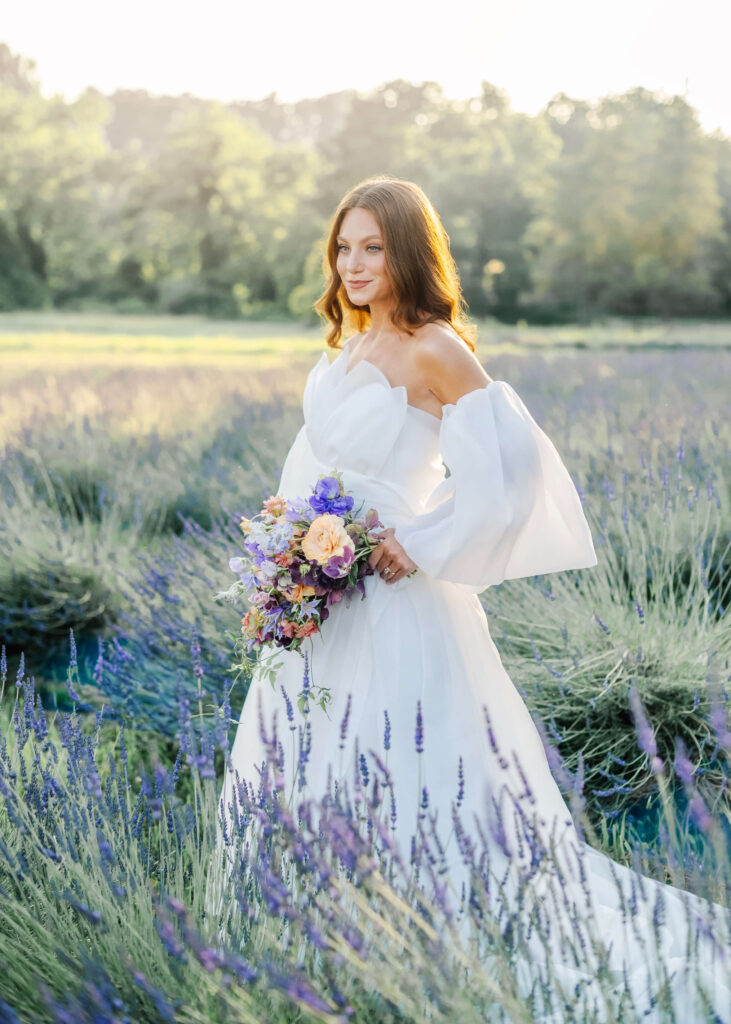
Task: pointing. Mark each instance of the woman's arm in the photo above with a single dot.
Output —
(447, 368)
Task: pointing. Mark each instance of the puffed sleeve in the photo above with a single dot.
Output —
(508, 507)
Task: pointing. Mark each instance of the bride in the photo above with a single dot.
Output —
(416, 683)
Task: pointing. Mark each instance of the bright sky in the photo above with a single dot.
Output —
(532, 49)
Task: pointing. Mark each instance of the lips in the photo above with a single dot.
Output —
(357, 284)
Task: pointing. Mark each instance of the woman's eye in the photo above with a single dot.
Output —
(376, 247)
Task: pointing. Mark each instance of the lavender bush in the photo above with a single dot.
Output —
(649, 616)
(108, 815)
(91, 546)
(115, 903)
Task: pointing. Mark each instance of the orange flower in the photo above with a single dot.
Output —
(298, 592)
(306, 629)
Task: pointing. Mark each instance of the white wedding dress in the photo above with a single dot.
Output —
(507, 509)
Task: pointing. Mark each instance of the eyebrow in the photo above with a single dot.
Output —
(344, 239)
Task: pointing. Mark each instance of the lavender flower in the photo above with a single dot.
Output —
(344, 721)
(645, 735)
(683, 764)
(419, 734)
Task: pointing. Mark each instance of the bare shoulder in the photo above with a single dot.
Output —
(447, 366)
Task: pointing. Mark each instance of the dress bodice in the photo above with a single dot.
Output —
(358, 423)
(476, 497)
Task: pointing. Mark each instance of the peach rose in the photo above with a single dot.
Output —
(326, 539)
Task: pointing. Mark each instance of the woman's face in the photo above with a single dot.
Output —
(361, 258)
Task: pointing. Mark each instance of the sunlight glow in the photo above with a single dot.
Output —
(234, 50)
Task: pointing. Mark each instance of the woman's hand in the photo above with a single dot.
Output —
(389, 558)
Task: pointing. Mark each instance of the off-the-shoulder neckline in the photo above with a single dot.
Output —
(439, 420)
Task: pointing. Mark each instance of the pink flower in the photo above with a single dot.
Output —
(276, 505)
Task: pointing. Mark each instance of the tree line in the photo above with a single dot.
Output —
(178, 204)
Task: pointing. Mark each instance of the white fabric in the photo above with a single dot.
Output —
(508, 508)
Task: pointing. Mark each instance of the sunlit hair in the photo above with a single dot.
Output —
(422, 271)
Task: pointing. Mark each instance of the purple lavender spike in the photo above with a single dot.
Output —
(344, 722)
(387, 731)
(699, 813)
(364, 770)
(602, 624)
(419, 734)
(683, 765)
(645, 735)
(288, 704)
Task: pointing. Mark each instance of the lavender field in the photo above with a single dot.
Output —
(131, 447)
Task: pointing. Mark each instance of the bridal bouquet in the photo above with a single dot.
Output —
(302, 555)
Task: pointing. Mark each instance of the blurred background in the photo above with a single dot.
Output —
(155, 161)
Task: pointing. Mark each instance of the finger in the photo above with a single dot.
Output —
(381, 558)
(375, 557)
(396, 576)
(387, 570)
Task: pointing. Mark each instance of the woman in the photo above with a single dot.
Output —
(413, 673)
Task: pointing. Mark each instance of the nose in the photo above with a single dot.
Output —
(354, 261)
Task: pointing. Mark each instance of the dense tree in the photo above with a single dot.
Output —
(720, 254)
(382, 133)
(213, 219)
(632, 211)
(485, 165)
(49, 196)
(182, 204)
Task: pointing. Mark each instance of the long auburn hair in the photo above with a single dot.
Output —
(423, 274)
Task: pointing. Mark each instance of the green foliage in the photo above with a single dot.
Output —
(633, 209)
(189, 206)
(51, 191)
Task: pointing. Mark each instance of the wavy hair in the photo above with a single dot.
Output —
(422, 271)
